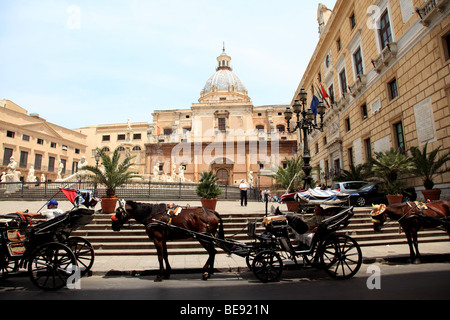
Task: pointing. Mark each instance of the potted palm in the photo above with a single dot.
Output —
(390, 166)
(208, 190)
(113, 174)
(427, 167)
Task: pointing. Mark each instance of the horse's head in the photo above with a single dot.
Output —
(378, 216)
(122, 215)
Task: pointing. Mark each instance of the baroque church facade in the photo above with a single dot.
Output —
(223, 133)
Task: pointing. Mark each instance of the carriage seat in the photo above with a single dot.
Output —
(342, 218)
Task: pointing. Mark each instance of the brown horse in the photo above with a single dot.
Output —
(413, 217)
(199, 220)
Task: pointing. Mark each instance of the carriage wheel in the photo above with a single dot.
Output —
(83, 251)
(249, 259)
(341, 257)
(267, 266)
(51, 265)
(8, 266)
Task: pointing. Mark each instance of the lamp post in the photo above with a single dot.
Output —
(306, 123)
(97, 159)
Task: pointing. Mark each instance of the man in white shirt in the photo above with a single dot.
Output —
(52, 210)
(243, 187)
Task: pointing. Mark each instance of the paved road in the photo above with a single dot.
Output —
(425, 281)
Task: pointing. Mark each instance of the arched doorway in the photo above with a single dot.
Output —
(224, 176)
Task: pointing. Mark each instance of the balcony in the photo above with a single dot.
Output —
(387, 55)
(430, 10)
(359, 85)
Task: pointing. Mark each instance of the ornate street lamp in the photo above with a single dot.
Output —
(306, 123)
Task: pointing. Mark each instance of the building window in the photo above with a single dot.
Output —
(52, 144)
(368, 147)
(343, 81)
(364, 113)
(77, 151)
(137, 148)
(40, 141)
(352, 21)
(120, 137)
(399, 137)
(281, 128)
(222, 124)
(23, 159)
(350, 157)
(26, 137)
(10, 134)
(137, 136)
(38, 162)
(51, 164)
(339, 44)
(7, 154)
(106, 138)
(168, 132)
(446, 46)
(393, 89)
(385, 30)
(357, 57)
(347, 124)
(331, 93)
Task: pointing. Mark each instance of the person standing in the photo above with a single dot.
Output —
(243, 187)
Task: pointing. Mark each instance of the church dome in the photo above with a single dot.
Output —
(224, 80)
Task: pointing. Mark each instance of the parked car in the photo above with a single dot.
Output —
(373, 194)
(349, 186)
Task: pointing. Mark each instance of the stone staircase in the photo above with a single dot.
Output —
(132, 240)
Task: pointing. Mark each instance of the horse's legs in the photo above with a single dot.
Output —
(208, 269)
(410, 244)
(166, 259)
(416, 245)
(159, 250)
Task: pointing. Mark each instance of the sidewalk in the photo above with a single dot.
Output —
(132, 265)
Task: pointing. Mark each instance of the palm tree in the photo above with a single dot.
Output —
(427, 167)
(390, 166)
(291, 176)
(115, 173)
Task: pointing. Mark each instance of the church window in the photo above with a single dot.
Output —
(167, 132)
(222, 124)
(7, 154)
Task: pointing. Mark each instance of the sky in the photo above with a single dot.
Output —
(81, 63)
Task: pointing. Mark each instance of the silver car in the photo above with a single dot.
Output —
(349, 186)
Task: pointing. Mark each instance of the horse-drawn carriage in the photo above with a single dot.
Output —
(339, 255)
(46, 249)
